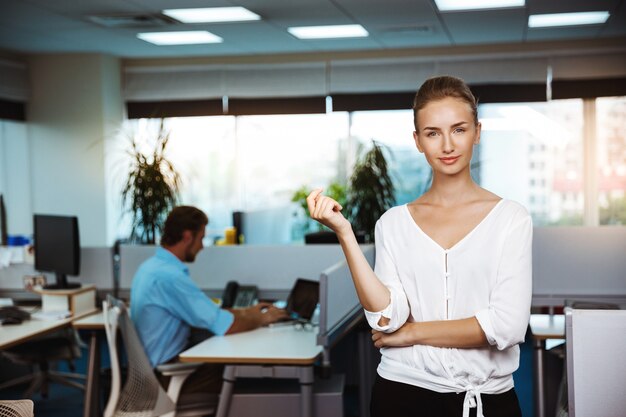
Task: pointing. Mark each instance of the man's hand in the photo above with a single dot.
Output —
(267, 313)
(326, 211)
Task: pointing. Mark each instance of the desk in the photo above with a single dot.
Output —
(29, 329)
(290, 353)
(15, 334)
(94, 323)
(543, 327)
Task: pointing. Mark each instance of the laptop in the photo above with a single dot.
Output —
(302, 301)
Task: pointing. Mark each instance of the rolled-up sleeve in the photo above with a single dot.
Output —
(505, 321)
(385, 269)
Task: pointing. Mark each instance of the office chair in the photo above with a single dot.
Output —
(16, 408)
(62, 345)
(142, 394)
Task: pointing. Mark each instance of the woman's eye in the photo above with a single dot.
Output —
(459, 130)
(431, 134)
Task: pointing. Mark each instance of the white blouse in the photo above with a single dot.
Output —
(488, 274)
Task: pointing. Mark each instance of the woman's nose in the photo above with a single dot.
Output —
(448, 146)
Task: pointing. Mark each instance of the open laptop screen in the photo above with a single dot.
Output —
(303, 299)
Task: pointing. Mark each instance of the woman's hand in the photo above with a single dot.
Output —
(404, 336)
(327, 211)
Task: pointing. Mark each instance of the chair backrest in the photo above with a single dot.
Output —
(16, 408)
(596, 362)
(142, 394)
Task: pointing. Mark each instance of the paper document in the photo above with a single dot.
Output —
(51, 315)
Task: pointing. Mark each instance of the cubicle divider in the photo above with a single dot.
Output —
(96, 267)
(582, 263)
(271, 268)
(339, 303)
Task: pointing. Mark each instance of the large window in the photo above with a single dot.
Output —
(532, 153)
(529, 152)
(611, 151)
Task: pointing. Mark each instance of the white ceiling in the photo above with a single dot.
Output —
(57, 26)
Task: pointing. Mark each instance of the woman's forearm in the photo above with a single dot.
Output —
(373, 295)
(463, 333)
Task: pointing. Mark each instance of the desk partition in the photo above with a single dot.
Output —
(268, 267)
(585, 263)
(96, 267)
(339, 303)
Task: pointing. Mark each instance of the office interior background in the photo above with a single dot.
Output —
(262, 113)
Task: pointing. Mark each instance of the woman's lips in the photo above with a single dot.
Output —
(450, 159)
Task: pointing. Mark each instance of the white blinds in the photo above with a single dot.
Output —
(185, 82)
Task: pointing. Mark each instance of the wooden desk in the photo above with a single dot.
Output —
(543, 327)
(290, 353)
(12, 335)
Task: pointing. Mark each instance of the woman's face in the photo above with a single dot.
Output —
(447, 133)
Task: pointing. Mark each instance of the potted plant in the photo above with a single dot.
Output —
(151, 189)
(370, 191)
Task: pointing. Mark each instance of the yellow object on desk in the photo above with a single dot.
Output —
(230, 236)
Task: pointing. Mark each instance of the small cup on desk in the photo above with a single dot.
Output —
(230, 236)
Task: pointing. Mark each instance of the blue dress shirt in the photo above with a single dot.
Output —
(165, 303)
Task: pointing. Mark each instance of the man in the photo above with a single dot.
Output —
(165, 303)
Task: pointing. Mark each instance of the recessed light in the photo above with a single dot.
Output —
(567, 19)
(212, 14)
(327, 32)
(180, 38)
(460, 5)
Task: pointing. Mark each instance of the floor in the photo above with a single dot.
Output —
(68, 402)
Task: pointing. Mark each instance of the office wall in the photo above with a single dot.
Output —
(15, 177)
(74, 108)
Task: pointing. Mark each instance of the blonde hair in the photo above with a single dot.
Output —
(438, 88)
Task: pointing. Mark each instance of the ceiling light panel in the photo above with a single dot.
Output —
(462, 5)
(328, 32)
(567, 19)
(212, 15)
(180, 38)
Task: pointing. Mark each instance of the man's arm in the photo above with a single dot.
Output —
(253, 317)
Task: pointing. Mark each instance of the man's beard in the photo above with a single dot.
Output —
(190, 256)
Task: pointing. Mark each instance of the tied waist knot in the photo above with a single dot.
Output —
(472, 400)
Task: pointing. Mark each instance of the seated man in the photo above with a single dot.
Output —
(165, 303)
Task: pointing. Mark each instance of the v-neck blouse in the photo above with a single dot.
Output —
(487, 275)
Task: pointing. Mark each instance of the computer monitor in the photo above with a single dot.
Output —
(57, 248)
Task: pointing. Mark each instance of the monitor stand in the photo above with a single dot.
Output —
(61, 283)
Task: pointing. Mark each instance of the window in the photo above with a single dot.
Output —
(524, 144)
(409, 170)
(611, 151)
(529, 152)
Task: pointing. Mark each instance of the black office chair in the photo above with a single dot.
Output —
(41, 352)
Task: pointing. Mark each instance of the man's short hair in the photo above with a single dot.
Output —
(182, 218)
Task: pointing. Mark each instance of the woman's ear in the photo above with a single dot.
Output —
(478, 130)
(417, 141)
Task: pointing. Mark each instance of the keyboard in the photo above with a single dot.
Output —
(14, 313)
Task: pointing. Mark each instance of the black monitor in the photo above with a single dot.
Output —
(57, 248)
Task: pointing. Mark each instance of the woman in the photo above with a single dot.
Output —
(449, 299)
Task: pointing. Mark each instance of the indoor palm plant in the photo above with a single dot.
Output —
(151, 189)
(370, 192)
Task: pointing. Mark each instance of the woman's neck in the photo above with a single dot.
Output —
(452, 190)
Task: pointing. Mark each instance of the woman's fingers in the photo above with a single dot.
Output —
(312, 198)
